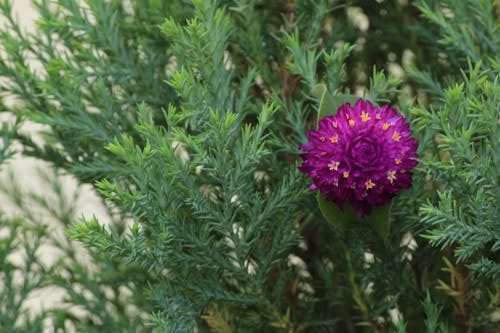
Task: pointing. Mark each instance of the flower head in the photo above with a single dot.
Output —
(361, 156)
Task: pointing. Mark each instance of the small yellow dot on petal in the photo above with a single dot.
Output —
(397, 160)
(385, 126)
(365, 116)
(351, 122)
(346, 174)
(369, 184)
(334, 139)
(396, 136)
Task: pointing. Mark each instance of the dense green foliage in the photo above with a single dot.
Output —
(187, 117)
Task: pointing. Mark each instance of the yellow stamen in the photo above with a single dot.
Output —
(391, 176)
(333, 165)
(369, 184)
(365, 116)
(351, 122)
(397, 160)
(334, 139)
(346, 174)
(396, 136)
(385, 126)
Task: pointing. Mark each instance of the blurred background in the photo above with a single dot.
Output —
(32, 177)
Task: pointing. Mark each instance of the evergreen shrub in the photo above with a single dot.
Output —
(186, 117)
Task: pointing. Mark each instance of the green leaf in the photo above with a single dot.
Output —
(348, 217)
(329, 104)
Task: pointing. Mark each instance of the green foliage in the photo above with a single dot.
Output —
(468, 29)
(19, 276)
(90, 64)
(37, 259)
(186, 118)
(462, 168)
(467, 136)
(207, 224)
(8, 132)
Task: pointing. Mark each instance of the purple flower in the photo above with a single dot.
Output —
(361, 156)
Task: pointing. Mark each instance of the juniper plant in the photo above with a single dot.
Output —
(187, 119)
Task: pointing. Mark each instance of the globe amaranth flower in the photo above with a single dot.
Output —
(361, 156)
